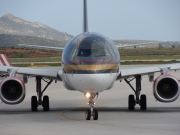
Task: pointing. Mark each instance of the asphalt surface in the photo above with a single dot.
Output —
(67, 115)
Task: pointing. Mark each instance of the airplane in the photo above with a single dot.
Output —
(91, 65)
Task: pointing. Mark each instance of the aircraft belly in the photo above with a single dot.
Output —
(91, 82)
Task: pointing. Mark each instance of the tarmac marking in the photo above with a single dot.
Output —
(62, 115)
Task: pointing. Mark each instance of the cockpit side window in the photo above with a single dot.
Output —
(84, 52)
(85, 48)
(98, 52)
(97, 48)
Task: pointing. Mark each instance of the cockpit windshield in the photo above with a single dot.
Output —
(89, 49)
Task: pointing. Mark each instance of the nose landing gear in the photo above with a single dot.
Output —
(91, 112)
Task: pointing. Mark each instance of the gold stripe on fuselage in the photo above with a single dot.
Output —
(92, 67)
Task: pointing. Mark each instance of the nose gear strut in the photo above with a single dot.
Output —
(91, 112)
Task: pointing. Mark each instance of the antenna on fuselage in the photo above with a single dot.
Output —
(85, 18)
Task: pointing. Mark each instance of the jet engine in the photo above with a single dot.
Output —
(166, 88)
(12, 90)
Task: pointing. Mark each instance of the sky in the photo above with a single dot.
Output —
(116, 19)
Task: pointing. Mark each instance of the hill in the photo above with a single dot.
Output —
(10, 24)
(14, 40)
(14, 30)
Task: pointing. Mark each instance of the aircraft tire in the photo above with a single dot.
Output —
(131, 102)
(88, 114)
(143, 102)
(34, 104)
(46, 103)
(95, 114)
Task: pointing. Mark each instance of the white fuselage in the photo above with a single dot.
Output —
(90, 63)
(91, 82)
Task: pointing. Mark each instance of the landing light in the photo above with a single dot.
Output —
(88, 95)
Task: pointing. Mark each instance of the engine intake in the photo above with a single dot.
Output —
(166, 88)
(12, 90)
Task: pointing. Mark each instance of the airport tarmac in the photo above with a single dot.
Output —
(67, 116)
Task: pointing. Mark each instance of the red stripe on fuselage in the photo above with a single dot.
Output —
(95, 61)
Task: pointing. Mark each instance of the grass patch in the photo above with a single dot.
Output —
(131, 60)
(43, 59)
(148, 62)
(156, 57)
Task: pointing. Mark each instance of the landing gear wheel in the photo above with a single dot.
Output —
(88, 114)
(95, 114)
(143, 102)
(34, 104)
(46, 103)
(131, 102)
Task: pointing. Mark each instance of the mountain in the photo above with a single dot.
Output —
(12, 25)
(7, 40)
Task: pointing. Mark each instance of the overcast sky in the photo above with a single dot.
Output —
(116, 19)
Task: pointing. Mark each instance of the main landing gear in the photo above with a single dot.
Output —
(91, 112)
(37, 100)
(137, 99)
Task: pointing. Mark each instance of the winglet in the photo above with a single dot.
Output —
(4, 61)
(85, 19)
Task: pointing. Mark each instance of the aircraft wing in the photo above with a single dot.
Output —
(42, 47)
(147, 70)
(43, 72)
(133, 45)
(61, 48)
(6, 68)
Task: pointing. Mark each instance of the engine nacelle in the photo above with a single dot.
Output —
(166, 88)
(12, 90)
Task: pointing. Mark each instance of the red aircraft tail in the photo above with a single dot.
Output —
(4, 61)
